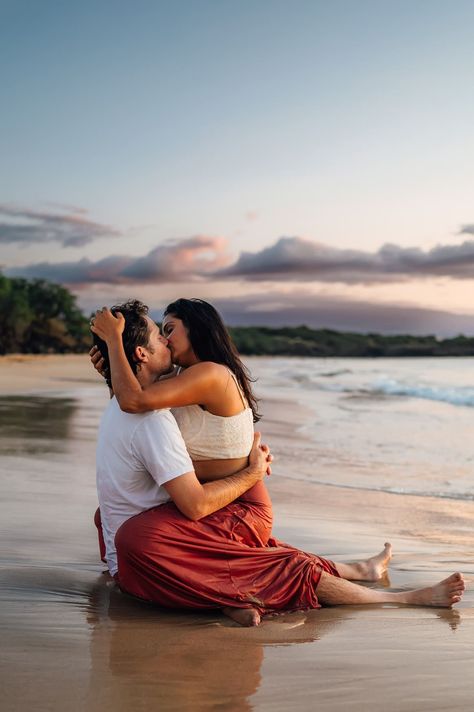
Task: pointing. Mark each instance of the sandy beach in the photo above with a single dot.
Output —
(71, 641)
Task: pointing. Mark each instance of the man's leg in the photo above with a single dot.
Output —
(372, 569)
(334, 591)
(368, 570)
(177, 563)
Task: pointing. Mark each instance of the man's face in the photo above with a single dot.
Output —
(159, 355)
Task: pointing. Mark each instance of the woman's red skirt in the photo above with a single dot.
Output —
(226, 559)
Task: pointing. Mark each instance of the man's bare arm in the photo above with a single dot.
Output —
(196, 500)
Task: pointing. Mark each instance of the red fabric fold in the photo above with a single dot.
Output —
(225, 559)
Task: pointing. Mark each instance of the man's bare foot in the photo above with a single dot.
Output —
(243, 616)
(373, 569)
(443, 595)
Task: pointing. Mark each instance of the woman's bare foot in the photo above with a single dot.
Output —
(375, 568)
(243, 616)
(443, 595)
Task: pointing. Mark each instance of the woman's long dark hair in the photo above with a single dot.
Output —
(211, 341)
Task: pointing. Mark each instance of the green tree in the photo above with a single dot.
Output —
(38, 316)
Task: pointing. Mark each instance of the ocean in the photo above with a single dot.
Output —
(396, 425)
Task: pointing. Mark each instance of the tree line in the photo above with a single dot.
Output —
(303, 341)
(38, 316)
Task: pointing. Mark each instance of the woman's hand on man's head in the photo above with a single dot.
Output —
(107, 325)
(98, 361)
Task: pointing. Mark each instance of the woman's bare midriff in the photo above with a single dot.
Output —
(208, 470)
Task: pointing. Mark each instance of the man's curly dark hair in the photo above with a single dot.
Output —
(136, 333)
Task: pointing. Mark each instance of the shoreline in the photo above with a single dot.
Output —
(52, 374)
(72, 641)
(43, 373)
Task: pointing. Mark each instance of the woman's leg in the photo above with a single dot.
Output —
(247, 617)
(259, 511)
(177, 563)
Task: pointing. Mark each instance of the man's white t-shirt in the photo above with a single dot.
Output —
(136, 454)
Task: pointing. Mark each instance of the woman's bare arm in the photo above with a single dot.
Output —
(192, 386)
(195, 385)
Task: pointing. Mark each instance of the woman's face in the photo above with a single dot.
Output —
(179, 344)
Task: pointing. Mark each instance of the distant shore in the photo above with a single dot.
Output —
(324, 343)
(303, 341)
(51, 322)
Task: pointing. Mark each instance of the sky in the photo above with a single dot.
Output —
(297, 162)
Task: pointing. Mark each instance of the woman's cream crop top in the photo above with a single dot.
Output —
(216, 437)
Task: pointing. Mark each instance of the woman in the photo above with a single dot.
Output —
(209, 392)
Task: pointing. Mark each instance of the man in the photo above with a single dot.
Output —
(142, 461)
(171, 540)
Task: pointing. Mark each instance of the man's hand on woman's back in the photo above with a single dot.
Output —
(260, 457)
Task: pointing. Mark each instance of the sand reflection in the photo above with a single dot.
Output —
(76, 642)
(35, 424)
(186, 661)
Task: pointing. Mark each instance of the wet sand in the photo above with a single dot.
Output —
(71, 641)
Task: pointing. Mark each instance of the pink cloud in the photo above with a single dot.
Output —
(192, 258)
